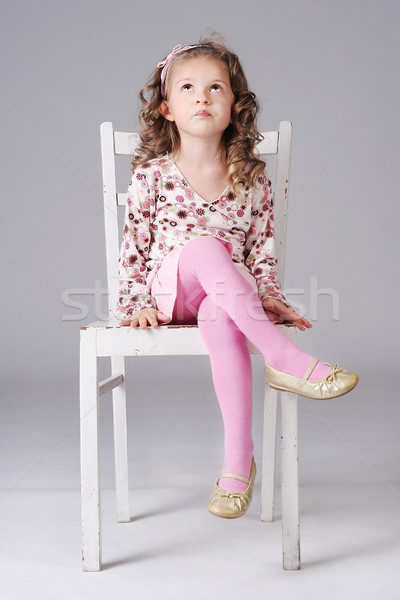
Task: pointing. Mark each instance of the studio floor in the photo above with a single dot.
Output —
(173, 548)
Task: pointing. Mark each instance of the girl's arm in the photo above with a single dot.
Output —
(134, 294)
(259, 251)
(260, 256)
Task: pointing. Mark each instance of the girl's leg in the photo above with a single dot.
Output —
(205, 268)
(232, 377)
(231, 371)
(203, 265)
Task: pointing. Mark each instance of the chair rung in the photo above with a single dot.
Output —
(110, 383)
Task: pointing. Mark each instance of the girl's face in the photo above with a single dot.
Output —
(200, 97)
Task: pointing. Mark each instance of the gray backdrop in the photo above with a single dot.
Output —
(329, 67)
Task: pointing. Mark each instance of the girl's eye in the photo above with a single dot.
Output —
(216, 86)
(186, 86)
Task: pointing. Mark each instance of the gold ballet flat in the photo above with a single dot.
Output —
(338, 382)
(228, 504)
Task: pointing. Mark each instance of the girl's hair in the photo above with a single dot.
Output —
(160, 136)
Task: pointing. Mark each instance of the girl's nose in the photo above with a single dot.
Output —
(202, 99)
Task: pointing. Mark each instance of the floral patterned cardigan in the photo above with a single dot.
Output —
(163, 213)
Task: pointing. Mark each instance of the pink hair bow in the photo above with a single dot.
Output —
(165, 64)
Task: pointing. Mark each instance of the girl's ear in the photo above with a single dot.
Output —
(164, 110)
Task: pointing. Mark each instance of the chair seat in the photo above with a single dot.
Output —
(115, 340)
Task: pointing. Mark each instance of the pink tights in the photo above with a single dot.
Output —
(227, 308)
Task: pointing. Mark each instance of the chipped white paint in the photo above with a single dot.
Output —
(90, 463)
(281, 194)
(268, 456)
(108, 339)
(120, 440)
(289, 467)
(288, 402)
(290, 482)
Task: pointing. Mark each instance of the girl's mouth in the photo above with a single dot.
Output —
(202, 113)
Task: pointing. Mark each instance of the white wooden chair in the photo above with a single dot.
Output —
(106, 338)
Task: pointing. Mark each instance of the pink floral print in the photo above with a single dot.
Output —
(163, 213)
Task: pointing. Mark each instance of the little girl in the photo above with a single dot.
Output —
(198, 246)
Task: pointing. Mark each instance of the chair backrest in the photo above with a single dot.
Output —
(115, 143)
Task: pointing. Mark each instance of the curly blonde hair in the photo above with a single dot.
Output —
(160, 136)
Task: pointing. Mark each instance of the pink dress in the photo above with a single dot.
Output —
(163, 213)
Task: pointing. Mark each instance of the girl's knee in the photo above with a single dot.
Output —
(207, 244)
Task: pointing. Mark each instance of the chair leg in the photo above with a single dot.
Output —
(268, 454)
(290, 482)
(90, 460)
(120, 442)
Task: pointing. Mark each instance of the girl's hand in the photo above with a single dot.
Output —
(144, 316)
(287, 314)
